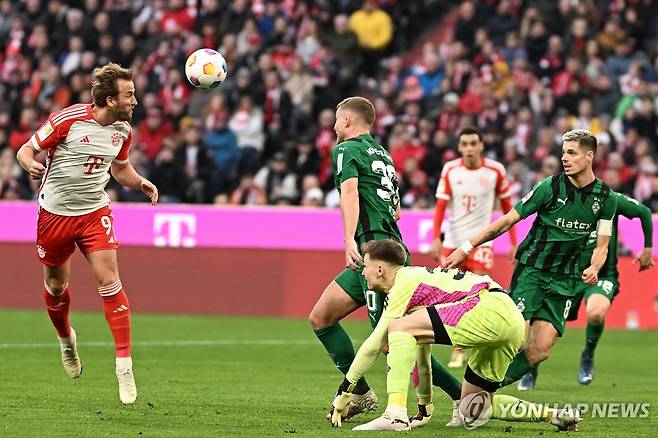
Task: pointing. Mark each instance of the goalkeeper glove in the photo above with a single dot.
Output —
(341, 402)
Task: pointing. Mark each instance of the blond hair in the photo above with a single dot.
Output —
(361, 106)
(584, 138)
(104, 82)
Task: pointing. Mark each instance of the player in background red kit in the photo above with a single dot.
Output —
(468, 188)
(84, 142)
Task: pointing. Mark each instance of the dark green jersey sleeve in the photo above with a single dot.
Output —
(345, 165)
(535, 199)
(630, 208)
(609, 208)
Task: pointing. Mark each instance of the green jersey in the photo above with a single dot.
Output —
(627, 207)
(363, 158)
(566, 215)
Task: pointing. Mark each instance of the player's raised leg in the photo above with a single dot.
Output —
(58, 298)
(117, 313)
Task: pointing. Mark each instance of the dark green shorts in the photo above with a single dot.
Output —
(355, 285)
(608, 286)
(543, 295)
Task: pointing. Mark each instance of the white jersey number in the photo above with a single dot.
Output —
(388, 175)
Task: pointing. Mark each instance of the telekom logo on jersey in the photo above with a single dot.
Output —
(93, 163)
(174, 230)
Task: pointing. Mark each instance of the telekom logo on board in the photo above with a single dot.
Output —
(174, 229)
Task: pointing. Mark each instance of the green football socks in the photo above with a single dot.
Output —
(517, 369)
(444, 379)
(592, 336)
(340, 349)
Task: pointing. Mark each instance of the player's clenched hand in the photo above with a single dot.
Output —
(645, 258)
(435, 250)
(455, 259)
(590, 276)
(37, 170)
(353, 259)
(150, 190)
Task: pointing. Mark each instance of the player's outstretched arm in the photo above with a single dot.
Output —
(631, 208)
(127, 176)
(439, 212)
(498, 227)
(25, 157)
(365, 358)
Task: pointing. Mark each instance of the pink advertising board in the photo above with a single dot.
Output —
(190, 226)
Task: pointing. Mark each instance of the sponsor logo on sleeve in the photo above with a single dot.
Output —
(45, 132)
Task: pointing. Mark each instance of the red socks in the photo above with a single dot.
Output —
(117, 314)
(58, 310)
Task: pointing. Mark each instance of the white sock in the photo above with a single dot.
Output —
(67, 340)
(124, 363)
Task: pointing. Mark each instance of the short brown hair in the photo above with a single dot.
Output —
(104, 82)
(360, 106)
(584, 138)
(385, 250)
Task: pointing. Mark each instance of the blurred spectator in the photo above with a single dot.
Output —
(374, 29)
(276, 180)
(304, 159)
(247, 124)
(248, 192)
(167, 175)
(152, 132)
(299, 87)
(223, 146)
(345, 44)
(197, 167)
(26, 127)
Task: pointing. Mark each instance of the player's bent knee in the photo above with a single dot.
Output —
(596, 313)
(55, 287)
(596, 318)
(538, 353)
(320, 319)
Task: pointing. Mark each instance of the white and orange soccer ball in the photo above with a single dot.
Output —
(206, 68)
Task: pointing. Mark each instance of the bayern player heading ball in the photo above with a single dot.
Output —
(206, 68)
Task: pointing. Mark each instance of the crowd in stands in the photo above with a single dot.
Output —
(522, 71)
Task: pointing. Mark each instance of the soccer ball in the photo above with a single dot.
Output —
(206, 68)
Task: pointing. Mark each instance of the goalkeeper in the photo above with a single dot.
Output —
(442, 306)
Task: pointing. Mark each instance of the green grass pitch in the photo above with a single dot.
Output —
(224, 376)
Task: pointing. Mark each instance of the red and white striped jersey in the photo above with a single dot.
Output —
(471, 194)
(80, 152)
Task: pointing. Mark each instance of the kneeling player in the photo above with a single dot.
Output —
(442, 306)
